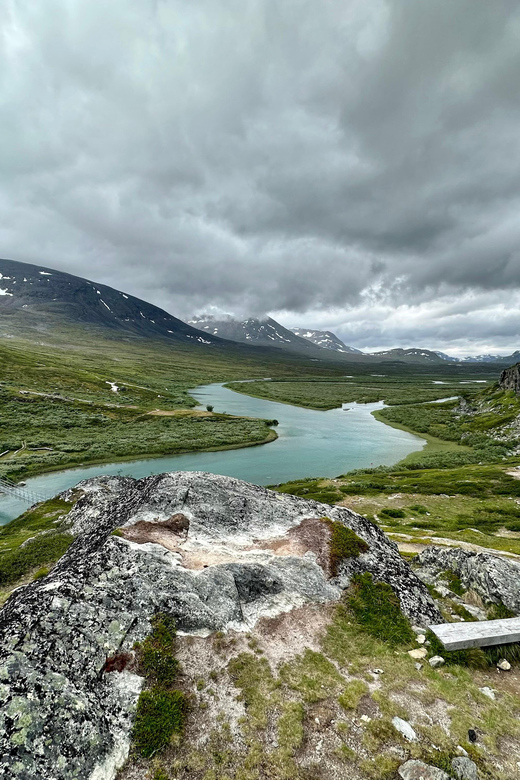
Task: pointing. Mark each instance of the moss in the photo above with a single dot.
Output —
(453, 581)
(159, 714)
(157, 653)
(376, 608)
(290, 727)
(381, 767)
(352, 694)
(344, 543)
(313, 676)
(117, 532)
(253, 676)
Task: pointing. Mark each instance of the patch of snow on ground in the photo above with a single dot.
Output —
(6, 292)
(44, 273)
(113, 385)
(105, 304)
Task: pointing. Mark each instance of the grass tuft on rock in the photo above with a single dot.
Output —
(157, 652)
(43, 550)
(160, 713)
(344, 543)
(376, 608)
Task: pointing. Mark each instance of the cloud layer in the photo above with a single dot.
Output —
(343, 162)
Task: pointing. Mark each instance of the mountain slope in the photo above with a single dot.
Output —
(257, 332)
(326, 340)
(42, 296)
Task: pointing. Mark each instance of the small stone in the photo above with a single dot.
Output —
(418, 770)
(461, 750)
(365, 719)
(504, 665)
(418, 653)
(421, 639)
(489, 692)
(464, 768)
(418, 666)
(436, 661)
(379, 671)
(472, 735)
(404, 728)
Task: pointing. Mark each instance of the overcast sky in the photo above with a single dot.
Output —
(342, 164)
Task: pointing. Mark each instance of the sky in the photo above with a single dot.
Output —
(343, 165)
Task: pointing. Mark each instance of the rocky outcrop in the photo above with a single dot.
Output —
(510, 378)
(214, 552)
(495, 579)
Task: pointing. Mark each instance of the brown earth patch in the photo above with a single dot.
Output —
(170, 533)
(311, 535)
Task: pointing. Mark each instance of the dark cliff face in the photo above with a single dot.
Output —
(510, 379)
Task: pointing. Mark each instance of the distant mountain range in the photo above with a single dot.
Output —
(35, 297)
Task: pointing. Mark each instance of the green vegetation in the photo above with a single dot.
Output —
(376, 607)
(157, 652)
(403, 385)
(475, 658)
(32, 543)
(344, 543)
(161, 710)
(160, 713)
(44, 550)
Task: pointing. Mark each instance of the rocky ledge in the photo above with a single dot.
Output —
(215, 553)
(493, 578)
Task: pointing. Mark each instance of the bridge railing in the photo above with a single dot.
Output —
(21, 492)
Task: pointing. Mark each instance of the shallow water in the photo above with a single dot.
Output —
(311, 444)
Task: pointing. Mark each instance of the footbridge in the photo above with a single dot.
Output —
(21, 491)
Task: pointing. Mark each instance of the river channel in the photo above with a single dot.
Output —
(310, 444)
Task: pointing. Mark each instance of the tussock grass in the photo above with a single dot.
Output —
(376, 608)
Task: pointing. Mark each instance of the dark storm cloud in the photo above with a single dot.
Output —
(261, 156)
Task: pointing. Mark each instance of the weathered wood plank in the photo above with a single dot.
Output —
(484, 633)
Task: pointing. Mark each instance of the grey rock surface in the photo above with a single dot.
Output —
(464, 768)
(404, 728)
(239, 556)
(495, 579)
(418, 770)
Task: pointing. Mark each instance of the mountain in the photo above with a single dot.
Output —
(326, 340)
(412, 355)
(257, 332)
(449, 358)
(40, 297)
(509, 359)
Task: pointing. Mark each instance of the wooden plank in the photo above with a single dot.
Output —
(484, 633)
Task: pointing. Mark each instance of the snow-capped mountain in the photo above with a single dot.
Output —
(326, 340)
(257, 332)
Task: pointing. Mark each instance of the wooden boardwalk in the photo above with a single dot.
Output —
(482, 633)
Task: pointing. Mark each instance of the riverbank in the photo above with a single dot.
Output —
(434, 446)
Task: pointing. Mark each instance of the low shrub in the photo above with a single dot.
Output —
(376, 608)
(157, 653)
(393, 512)
(160, 713)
